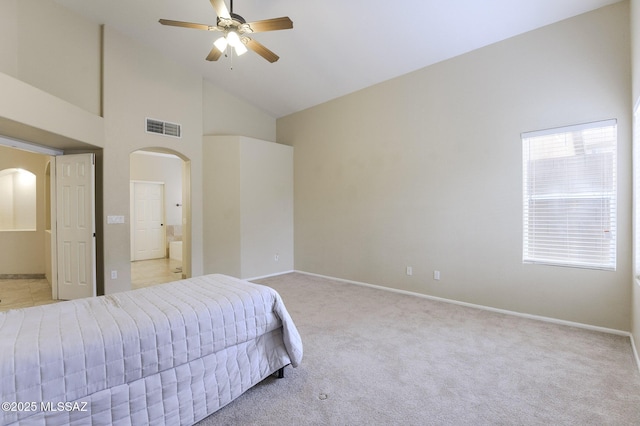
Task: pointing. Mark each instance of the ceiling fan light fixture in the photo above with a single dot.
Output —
(241, 49)
(233, 39)
(221, 44)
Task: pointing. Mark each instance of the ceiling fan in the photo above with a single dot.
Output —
(235, 29)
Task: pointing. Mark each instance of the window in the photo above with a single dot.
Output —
(569, 196)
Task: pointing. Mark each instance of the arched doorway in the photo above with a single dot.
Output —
(160, 194)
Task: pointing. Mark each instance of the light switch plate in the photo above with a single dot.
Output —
(115, 219)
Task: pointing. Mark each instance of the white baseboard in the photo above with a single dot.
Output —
(269, 276)
(487, 308)
(635, 351)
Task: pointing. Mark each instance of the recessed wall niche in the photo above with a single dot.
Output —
(17, 200)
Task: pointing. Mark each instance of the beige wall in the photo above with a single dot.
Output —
(46, 37)
(23, 252)
(248, 193)
(425, 171)
(222, 207)
(8, 37)
(35, 115)
(266, 196)
(225, 114)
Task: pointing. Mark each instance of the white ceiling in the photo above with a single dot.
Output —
(336, 46)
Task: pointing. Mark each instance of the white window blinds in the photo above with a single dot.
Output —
(569, 196)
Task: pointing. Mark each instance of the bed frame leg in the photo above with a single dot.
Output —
(281, 373)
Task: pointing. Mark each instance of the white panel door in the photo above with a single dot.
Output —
(148, 236)
(75, 226)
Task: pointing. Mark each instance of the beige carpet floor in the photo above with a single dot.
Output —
(379, 358)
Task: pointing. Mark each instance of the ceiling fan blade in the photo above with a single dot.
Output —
(214, 55)
(221, 9)
(283, 23)
(261, 50)
(187, 25)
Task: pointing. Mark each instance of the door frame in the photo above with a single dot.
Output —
(186, 204)
(53, 249)
(51, 152)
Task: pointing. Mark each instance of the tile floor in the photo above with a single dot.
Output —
(23, 293)
(145, 273)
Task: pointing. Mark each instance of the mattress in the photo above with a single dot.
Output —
(168, 354)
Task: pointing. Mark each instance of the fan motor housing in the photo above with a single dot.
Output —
(238, 18)
(235, 20)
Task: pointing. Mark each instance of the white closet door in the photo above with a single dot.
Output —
(75, 226)
(148, 236)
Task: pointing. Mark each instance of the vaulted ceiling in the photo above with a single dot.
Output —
(335, 47)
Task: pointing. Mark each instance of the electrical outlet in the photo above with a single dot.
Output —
(409, 270)
(114, 275)
(436, 275)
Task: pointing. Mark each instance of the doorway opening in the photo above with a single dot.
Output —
(160, 217)
(23, 240)
(30, 266)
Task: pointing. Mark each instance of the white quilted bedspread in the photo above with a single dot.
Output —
(70, 350)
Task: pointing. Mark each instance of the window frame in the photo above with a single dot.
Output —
(545, 238)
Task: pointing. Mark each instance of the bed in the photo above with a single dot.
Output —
(168, 354)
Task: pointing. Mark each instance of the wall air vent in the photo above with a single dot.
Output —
(164, 128)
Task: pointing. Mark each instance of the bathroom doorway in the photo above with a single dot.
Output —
(159, 192)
